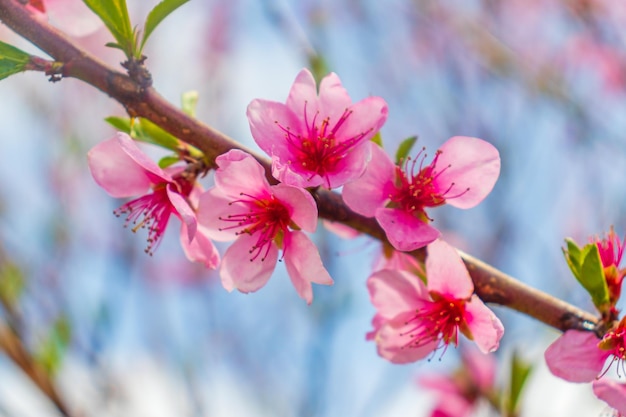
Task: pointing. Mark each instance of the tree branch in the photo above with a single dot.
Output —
(491, 284)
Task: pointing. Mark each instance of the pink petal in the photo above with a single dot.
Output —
(300, 203)
(212, 207)
(575, 356)
(151, 168)
(366, 118)
(340, 229)
(446, 272)
(395, 292)
(486, 329)
(333, 98)
(453, 406)
(200, 249)
(304, 264)
(392, 346)
(481, 367)
(611, 392)
(349, 168)
(266, 118)
(474, 164)
(442, 384)
(182, 209)
(405, 231)
(239, 272)
(115, 171)
(284, 171)
(371, 191)
(239, 173)
(303, 94)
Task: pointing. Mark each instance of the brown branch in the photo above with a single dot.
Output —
(12, 345)
(491, 285)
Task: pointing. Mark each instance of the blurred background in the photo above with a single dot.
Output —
(126, 334)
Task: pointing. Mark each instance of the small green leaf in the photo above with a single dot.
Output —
(155, 134)
(120, 123)
(519, 374)
(12, 283)
(405, 147)
(189, 103)
(12, 60)
(156, 16)
(52, 350)
(377, 139)
(167, 161)
(572, 256)
(592, 276)
(114, 14)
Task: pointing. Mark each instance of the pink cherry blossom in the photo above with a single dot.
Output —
(611, 392)
(262, 219)
(578, 356)
(317, 139)
(462, 173)
(414, 319)
(123, 170)
(459, 392)
(611, 250)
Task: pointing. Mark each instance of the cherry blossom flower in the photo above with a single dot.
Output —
(123, 170)
(462, 173)
(459, 393)
(317, 140)
(611, 392)
(413, 320)
(262, 219)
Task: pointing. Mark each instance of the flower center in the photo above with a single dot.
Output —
(265, 216)
(151, 211)
(416, 187)
(438, 320)
(321, 147)
(615, 341)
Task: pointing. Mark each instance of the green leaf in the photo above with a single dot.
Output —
(120, 123)
(167, 161)
(114, 14)
(12, 283)
(592, 276)
(189, 103)
(52, 350)
(519, 374)
(12, 60)
(156, 16)
(153, 133)
(572, 256)
(377, 139)
(405, 147)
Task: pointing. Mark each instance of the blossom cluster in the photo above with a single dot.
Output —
(321, 139)
(586, 356)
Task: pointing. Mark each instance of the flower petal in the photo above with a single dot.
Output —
(392, 346)
(200, 249)
(395, 292)
(405, 231)
(152, 169)
(239, 272)
(213, 206)
(115, 171)
(300, 203)
(371, 191)
(486, 329)
(446, 272)
(239, 173)
(267, 120)
(304, 264)
(611, 392)
(470, 164)
(303, 94)
(575, 356)
(333, 98)
(182, 209)
(364, 120)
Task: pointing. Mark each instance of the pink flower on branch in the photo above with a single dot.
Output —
(317, 140)
(462, 173)
(123, 170)
(413, 320)
(262, 219)
(611, 250)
